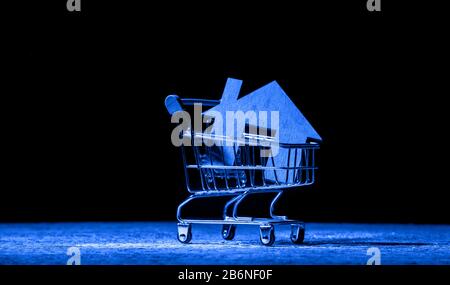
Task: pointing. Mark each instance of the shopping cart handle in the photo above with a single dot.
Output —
(313, 140)
(173, 104)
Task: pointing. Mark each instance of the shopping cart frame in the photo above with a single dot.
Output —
(238, 192)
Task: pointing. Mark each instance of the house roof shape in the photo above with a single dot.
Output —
(293, 127)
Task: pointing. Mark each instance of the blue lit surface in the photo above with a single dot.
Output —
(156, 243)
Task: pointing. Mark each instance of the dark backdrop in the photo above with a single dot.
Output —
(88, 138)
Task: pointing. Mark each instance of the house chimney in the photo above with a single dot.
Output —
(231, 91)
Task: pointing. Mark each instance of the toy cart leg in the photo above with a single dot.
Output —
(267, 234)
(184, 232)
(272, 206)
(228, 231)
(298, 233)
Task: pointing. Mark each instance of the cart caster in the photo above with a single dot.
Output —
(267, 234)
(228, 232)
(184, 233)
(297, 233)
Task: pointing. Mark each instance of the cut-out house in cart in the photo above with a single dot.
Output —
(245, 161)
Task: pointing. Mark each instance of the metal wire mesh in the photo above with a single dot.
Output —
(250, 169)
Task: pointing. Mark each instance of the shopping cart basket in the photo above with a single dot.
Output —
(250, 173)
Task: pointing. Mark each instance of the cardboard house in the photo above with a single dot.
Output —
(292, 126)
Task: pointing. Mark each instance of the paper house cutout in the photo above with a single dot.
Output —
(293, 127)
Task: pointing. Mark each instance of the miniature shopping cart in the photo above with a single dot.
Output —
(250, 173)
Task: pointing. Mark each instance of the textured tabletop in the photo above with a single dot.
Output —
(156, 243)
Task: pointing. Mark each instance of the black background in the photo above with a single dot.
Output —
(88, 137)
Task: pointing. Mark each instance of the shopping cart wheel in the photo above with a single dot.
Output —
(297, 233)
(228, 232)
(267, 234)
(184, 233)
